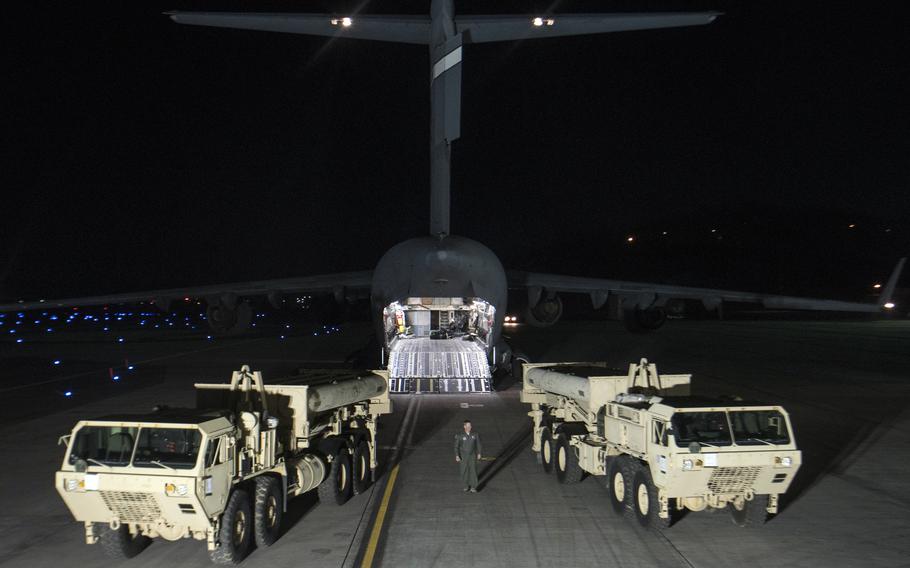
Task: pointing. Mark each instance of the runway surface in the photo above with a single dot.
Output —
(845, 385)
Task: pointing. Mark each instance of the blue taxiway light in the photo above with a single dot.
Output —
(208, 336)
(119, 340)
(116, 377)
(50, 330)
(56, 361)
(20, 340)
(68, 394)
(130, 368)
(12, 331)
(107, 329)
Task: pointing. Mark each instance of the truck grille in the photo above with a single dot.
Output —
(733, 479)
(133, 507)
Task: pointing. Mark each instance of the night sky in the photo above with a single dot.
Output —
(142, 154)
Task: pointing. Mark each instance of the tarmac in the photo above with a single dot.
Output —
(844, 383)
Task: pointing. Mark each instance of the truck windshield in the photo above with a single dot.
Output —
(107, 445)
(706, 428)
(167, 447)
(751, 427)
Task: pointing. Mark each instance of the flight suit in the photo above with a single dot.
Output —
(467, 447)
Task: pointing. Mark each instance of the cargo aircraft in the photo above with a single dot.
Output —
(439, 301)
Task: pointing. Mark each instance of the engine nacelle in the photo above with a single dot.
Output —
(640, 321)
(225, 319)
(547, 312)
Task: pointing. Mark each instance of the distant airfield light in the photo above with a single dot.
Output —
(713, 230)
(130, 368)
(664, 233)
(186, 299)
(851, 226)
(116, 377)
(889, 305)
(56, 361)
(12, 331)
(119, 340)
(20, 340)
(538, 22)
(68, 394)
(630, 239)
(343, 22)
(876, 286)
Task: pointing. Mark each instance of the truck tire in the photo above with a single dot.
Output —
(336, 487)
(646, 500)
(619, 485)
(120, 544)
(753, 513)
(546, 450)
(361, 467)
(568, 470)
(268, 510)
(235, 532)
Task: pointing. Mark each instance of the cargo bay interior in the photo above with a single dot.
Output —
(439, 344)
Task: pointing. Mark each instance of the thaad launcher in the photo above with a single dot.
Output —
(223, 472)
(658, 449)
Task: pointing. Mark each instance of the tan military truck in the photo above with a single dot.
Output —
(657, 449)
(224, 471)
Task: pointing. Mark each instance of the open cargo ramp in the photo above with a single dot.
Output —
(424, 365)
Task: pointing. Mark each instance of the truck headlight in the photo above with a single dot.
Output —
(74, 485)
(175, 490)
(687, 465)
(785, 461)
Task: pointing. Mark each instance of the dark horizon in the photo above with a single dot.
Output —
(142, 154)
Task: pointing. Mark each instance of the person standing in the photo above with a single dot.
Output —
(467, 452)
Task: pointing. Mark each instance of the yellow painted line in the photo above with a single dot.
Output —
(380, 518)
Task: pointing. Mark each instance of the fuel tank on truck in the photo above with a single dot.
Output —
(430, 267)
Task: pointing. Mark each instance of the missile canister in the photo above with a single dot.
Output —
(333, 395)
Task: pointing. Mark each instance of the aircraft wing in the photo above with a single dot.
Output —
(340, 284)
(482, 29)
(399, 29)
(642, 295)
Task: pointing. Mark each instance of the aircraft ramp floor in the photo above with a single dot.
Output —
(421, 364)
(843, 383)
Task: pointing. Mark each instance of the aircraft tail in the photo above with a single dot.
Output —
(444, 33)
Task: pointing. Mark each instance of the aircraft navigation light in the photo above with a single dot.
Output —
(876, 286)
(889, 305)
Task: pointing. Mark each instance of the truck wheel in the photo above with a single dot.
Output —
(646, 500)
(620, 485)
(337, 484)
(235, 530)
(361, 467)
(120, 544)
(568, 470)
(267, 510)
(752, 513)
(546, 450)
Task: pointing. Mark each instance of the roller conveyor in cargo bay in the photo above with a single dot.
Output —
(421, 364)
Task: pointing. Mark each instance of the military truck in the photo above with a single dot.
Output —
(657, 449)
(223, 472)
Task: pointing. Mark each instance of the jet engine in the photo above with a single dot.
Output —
(226, 318)
(638, 320)
(547, 312)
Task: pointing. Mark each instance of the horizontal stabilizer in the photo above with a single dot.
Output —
(400, 29)
(482, 29)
